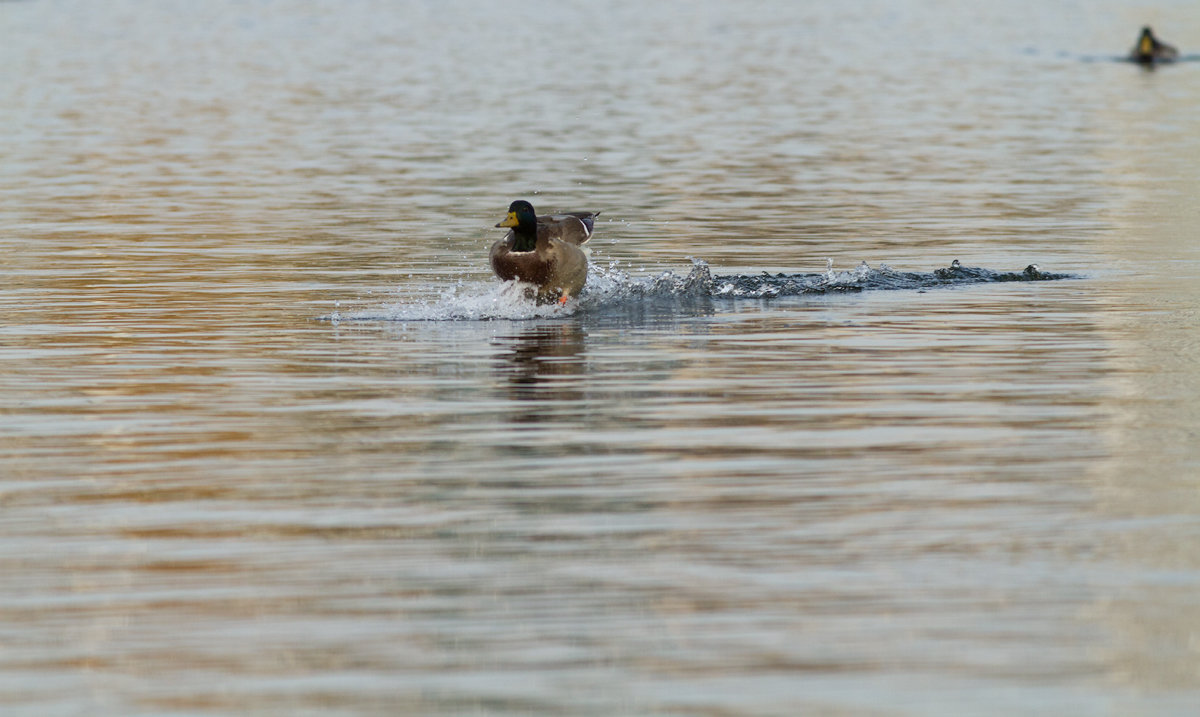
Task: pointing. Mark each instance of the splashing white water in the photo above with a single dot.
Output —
(491, 300)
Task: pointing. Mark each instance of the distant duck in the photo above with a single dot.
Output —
(546, 251)
(1149, 50)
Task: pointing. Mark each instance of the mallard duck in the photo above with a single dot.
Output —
(1149, 50)
(546, 251)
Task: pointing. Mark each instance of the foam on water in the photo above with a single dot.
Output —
(608, 287)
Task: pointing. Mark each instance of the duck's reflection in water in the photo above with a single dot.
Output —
(540, 367)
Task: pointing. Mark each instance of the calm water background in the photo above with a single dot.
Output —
(972, 500)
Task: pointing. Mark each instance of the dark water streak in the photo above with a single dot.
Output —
(781, 284)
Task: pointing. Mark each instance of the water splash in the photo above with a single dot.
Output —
(609, 287)
(863, 278)
(471, 301)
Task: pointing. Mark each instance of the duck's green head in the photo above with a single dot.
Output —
(520, 214)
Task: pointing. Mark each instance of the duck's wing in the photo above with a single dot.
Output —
(568, 269)
(571, 227)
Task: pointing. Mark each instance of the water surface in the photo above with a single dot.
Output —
(273, 440)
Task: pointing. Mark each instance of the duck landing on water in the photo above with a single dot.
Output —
(546, 251)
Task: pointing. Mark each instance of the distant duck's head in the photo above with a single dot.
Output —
(1146, 42)
(521, 215)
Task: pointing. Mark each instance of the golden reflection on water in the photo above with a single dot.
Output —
(1148, 487)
